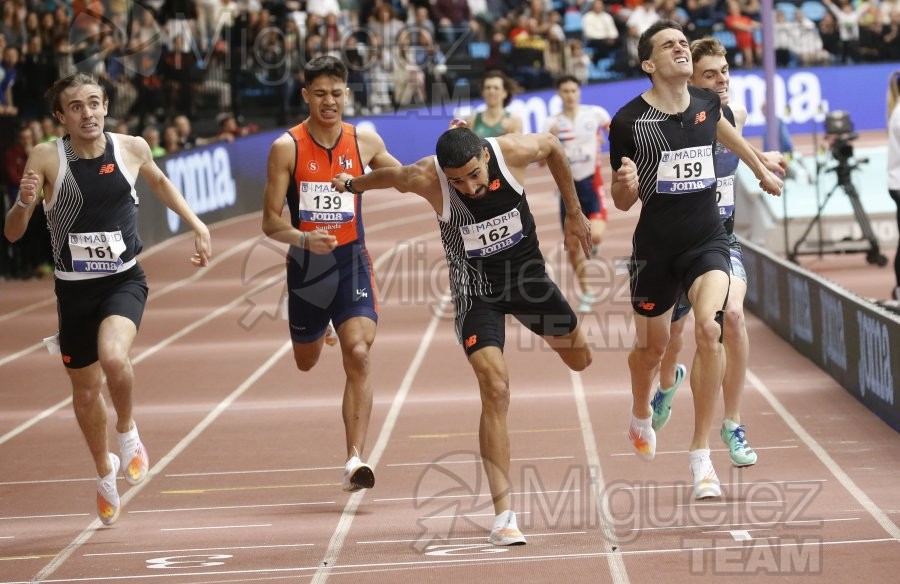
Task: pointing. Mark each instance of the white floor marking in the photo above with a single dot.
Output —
(759, 523)
(213, 549)
(246, 472)
(658, 452)
(614, 559)
(448, 462)
(56, 516)
(340, 533)
(88, 531)
(478, 537)
(223, 507)
(740, 534)
(204, 528)
(480, 495)
(880, 516)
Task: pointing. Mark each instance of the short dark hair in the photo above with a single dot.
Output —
(67, 82)
(456, 147)
(325, 65)
(567, 79)
(645, 44)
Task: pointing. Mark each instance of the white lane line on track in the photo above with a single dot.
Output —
(769, 524)
(56, 516)
(208, 527)
(213, 549)
(755, 447)
(453, 563)
(340, 533)
(880, 516)
(245, 472)
(614, 560)
(686, 485)
(88, 531)
(480, 495)
(223, 507)
(479, 538)
(448, 462)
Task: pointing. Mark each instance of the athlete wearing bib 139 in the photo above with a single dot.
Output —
(496, 266)
(92, 217)
(334, 286)
(679, 235)
(726, 167)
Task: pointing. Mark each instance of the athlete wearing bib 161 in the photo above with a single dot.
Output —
(339, 285)
(88, 179)
(679, 234)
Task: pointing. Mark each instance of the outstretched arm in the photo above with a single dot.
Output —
(166, 192)
(520, 150)
(420, 178)
(731, 138)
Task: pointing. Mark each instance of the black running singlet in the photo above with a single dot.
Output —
(93, 214)
(490, 242)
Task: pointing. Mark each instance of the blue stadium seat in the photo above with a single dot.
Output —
(787, 8)
(479, 50)
(726, 37)
(572, 24)
(814, 10)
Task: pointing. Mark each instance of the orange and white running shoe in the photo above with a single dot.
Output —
(331, 337)
(108, 503)
(643, 440)
(134, 456)
(706, 482)
(506, 531)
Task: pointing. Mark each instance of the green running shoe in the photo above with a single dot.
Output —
(662, 400)
(733, 437)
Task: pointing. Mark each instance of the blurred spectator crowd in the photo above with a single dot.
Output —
(170, 66)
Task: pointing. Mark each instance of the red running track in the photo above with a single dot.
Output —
(246, 451)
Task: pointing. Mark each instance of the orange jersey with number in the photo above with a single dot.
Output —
(313, 202)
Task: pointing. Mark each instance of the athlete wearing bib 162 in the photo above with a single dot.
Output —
(88, 179)
(476, 188)
(662, 153)
(329, 274)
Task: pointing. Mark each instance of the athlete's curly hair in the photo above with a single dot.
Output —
(69, 81)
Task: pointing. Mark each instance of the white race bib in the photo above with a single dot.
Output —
(685, 171)
(493, 235)
(725, 196)
(97, 252)
(320, 203)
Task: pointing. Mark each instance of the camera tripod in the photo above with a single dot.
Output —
(847, 245)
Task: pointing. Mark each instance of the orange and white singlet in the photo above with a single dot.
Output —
(313, 202)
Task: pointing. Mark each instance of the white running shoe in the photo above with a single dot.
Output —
(108, 503)
(505, 530)
(134, 456)
(357, 475)
(706, 482)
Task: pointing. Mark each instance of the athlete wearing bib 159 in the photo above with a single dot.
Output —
(679, 235)
(336, 285)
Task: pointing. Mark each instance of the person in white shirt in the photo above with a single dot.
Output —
(893, 102)
(581, 130)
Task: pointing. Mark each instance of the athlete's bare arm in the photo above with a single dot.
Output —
(520, 150)
(36, 177)
(774, 161)
(420, 178)
(731, 139)
(373, 151)
(625, 185)
(136, 148)
(280, 168)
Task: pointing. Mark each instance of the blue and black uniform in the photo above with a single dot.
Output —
(495, 262)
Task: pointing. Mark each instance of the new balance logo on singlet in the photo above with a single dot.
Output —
(701, 117)
(107, 168)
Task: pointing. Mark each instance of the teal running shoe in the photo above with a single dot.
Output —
(734, 438)
(662, 400)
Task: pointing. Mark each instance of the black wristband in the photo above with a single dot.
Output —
(348, 186)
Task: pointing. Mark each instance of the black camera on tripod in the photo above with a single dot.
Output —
(840, 133)
(839, 128)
